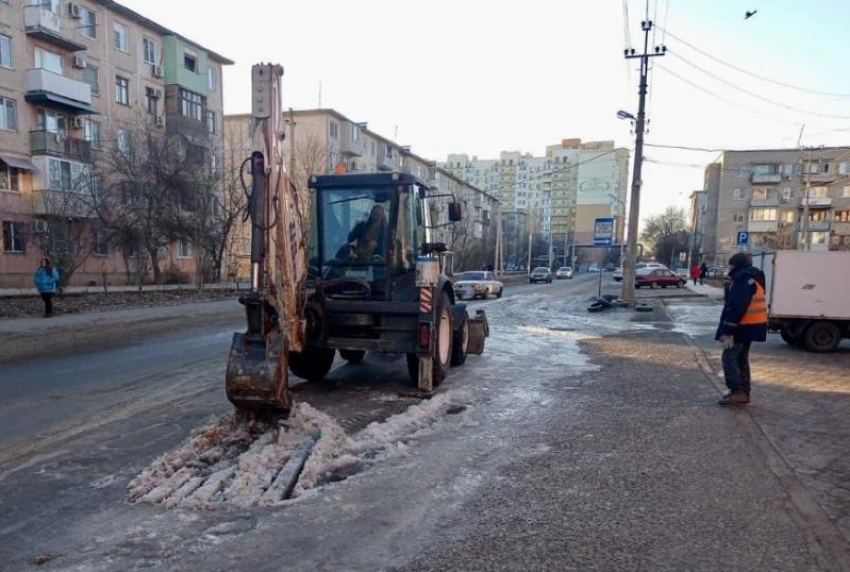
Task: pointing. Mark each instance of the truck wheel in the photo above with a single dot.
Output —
(459, 344)
(789, 338)
(442, 344)
(313, 364)
(352, 356)
(821, 337)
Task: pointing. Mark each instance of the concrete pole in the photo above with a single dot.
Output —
(807, 239)
(529, 251)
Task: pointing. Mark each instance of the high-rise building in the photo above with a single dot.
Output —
(766, 193)
(71, 75)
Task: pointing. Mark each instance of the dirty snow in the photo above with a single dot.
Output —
(694, 319)
(235, 463)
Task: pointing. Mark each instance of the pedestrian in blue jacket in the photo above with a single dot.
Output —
(742, 322)
(46, 279)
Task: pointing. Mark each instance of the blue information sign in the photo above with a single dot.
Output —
(603, 232)
(742, 238)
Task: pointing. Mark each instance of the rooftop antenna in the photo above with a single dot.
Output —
(800, 137)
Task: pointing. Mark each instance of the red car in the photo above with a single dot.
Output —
(658, 277)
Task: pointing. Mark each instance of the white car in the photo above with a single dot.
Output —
(618, 274)
(478, 284)
(594, 268)
(564, 272)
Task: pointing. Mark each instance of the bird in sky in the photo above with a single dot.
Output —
(750, 14)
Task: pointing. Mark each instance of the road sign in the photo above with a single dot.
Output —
(742, 238)
(603, 232)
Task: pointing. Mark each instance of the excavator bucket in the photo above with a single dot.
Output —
(257, 374)
(479, 330)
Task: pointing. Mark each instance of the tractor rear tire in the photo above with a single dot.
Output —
(460, 342)
(352, 356)
(442, 344)
(313, 364)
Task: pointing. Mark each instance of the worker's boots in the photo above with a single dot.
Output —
(735, 398)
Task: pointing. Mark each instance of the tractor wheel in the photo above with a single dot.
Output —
(821, 337)
(352, 356)
(313, 364)
(459, 344)
(442, 344)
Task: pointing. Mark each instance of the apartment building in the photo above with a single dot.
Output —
(325, 140)
(75, 77)
(767, 193)
(564, 190)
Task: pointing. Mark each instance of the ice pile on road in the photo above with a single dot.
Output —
(236, 462)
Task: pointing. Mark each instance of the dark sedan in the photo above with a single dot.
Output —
(658, 278)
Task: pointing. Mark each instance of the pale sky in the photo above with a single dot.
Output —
(479, 77)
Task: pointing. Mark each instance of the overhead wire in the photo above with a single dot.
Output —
(750, 73)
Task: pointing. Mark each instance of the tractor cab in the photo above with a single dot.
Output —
(366, 233)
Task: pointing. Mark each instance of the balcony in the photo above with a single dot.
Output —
(46, 143)
(386, 157)
(762, 226)
(348, 144)
(41, 23)
(820, 177)
(70, 204)
(48, 88)
(818, 225)
(817, 202)
(764, 178)
(770, 202)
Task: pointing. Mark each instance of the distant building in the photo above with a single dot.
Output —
(764, 192)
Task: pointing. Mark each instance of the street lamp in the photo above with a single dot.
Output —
(625, 115)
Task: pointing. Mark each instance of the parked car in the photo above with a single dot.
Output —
(642, 265)
(657, 278)
(540, 274)
(594, 268)
(564, 272)
(478, 284)
(618, 274)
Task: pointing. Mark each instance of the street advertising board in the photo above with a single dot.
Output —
(603, 232)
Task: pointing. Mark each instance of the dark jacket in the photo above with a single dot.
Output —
(739, 293)
(703, 270)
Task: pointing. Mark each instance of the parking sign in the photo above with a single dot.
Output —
(743, 238)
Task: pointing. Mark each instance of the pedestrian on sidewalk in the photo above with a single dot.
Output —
(703, 272)
(46, 279)
(742, 322)
(694, 273)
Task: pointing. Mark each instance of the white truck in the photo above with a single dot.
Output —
(808, 297)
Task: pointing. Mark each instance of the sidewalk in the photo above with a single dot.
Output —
(704, 289)
(13, 292)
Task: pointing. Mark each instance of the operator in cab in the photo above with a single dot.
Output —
(367, 237)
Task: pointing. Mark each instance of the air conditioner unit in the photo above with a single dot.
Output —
(160, 121)
(39, 226)
(157, 70)
(157, 94)
(77, 122)
(74, 10)
(80, 62)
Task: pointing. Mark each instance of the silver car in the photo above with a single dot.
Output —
(477, 285)
(540, 274)
(564, 272)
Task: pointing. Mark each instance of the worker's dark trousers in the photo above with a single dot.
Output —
(736, 367)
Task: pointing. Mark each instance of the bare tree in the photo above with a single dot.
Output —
(667, 233)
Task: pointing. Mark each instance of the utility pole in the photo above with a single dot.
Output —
(640, 125)
(529, 252)
(806, 243)
(566, 235)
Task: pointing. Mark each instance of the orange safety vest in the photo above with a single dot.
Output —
(757, 310)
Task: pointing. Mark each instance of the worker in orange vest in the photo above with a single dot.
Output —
(743, 321)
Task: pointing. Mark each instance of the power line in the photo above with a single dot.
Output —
(753, 74)
(756, 95)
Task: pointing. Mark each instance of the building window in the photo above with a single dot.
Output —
(8, 114)
(761, 193)
(787, 216)
(737, 217)
(845, 192)
(334, 130)
(842, 216)
(99, 247)
(120, 37)
(739, 194)
(122, 141)
(818, 192)
(190, 60)
(763, 214)
(51, 121)
(90, 76)
(88, 19)
(91, 133)
(210, 120)
(211, 78)
(151, 100)
(184, 248)
(52, 5)
(9, 178)
(60, 175)
(122, 90)
(149, 50)
(355, 133)
(819, 238)
(47, 60)
(6, 54)
(13, 237)
(191, 105)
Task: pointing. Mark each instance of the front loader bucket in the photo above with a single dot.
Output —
(257, 374)
(479, 330)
